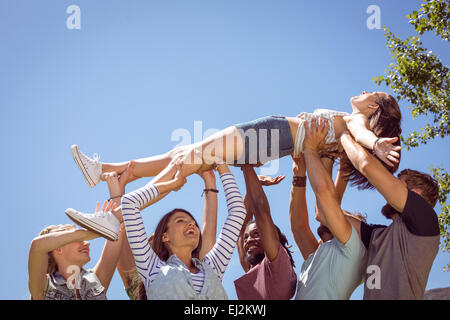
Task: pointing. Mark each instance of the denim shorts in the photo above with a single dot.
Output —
(265, 139)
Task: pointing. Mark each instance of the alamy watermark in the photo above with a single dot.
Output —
(74, 20)
(374, 20)
(373, 277)
(74, 280)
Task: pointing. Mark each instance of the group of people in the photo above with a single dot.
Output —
(184, 260)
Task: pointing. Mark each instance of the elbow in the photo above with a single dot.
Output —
(300, 229)
(261, 207)
(324, 188)
(320, 217)
(364, 165)
(127, 199)
(36, 246)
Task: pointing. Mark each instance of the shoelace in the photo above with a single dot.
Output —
(92, 161)
(95, 159)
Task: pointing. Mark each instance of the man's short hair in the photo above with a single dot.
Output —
(424, 182)
(428, 187)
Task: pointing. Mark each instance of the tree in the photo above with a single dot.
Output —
(418, 76)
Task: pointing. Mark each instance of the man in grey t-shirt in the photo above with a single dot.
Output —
(400, 255)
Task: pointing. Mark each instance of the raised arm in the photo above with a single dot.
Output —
(298, 211)
(322, 183)
(106, 265)
(261, 209)
(126, 265)
(222, 251)
(264, 181)
(209, 224)
(40, 248)
(328, 165)
(391, 188)
(240, 243)
(341, 182)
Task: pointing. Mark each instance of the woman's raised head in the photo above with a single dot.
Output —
(177, 229)
(384, 117)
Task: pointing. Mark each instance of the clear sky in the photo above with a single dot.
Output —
(136, 71)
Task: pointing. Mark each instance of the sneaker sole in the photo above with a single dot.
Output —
(77, 158)
(94, 227)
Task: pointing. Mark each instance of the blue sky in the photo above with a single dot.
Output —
(138, 70)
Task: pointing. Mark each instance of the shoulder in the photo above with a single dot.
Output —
(419, 217)
(281, 258)
(367, 231)
(355, 117)
(353, 244)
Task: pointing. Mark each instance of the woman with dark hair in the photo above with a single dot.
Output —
(173, 266)
(126, 265)
(374, 122)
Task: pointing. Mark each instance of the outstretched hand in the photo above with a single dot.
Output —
(107, 206)
(270, 181)
(386, 151)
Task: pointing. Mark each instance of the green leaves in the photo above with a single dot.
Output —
(418, 76)
(433, 15)
(443, 179)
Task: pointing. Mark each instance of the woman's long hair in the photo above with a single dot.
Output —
(384, 123)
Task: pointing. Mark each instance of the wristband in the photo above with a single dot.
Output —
(115, 197)
(375, 144)
(212, 190)
(298, 181)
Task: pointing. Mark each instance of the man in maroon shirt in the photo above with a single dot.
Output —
(269, 266)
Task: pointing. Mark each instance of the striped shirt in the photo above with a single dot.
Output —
(323, 113)
(147, 261)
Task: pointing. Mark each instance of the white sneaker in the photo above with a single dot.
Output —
(102, 223)
(91, 168)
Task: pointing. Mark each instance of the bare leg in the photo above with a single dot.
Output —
(144, 167)
(226, 145)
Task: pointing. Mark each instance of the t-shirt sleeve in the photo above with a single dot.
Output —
(281, 263)
(419, 217)
(366, 232)
(283, 279)
(353, 245)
